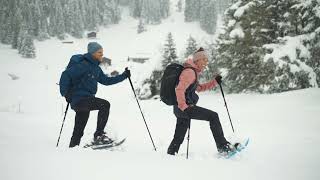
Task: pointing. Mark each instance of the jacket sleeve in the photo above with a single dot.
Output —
(206, 86)
(106, 80)
(65, 82)
(187, 77)
(68, 76)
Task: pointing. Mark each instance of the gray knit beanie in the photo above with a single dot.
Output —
(199, 54)
(93, 47)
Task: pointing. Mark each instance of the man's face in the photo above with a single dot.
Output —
(98, 55)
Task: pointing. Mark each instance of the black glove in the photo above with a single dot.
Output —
(218, 78)
(68, 97)
(127, 73)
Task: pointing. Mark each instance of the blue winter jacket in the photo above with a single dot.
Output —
(83, 79)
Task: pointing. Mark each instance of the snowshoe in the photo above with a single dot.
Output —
(227, 150)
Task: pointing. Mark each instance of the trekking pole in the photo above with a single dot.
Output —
(188, 139)
(141, 113)
(225, 103)
(65, 114)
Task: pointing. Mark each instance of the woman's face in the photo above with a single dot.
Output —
(202, 63)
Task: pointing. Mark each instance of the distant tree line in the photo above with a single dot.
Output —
(22, 21)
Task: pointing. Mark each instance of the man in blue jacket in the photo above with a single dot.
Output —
(78, 84)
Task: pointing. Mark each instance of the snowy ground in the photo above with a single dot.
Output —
(283, 128)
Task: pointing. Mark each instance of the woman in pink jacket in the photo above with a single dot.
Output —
(187, 100)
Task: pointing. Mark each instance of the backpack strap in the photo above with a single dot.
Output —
(193, 70)
(85, 60)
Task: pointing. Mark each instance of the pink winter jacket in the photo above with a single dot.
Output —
(187, 78)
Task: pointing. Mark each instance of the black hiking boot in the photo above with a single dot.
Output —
(226, 148)
(102, 138)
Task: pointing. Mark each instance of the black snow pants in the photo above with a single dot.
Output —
(183, 122)
(82, 109)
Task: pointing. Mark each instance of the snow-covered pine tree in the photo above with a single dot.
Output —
(222, 5)
(109, 11)
(213, 68)
(266, 52)
(191, 46)
(34, 17)
(164, 8)
(83, 10)
(150, 11)
(92, 17)
(179, 6)
(21, 37)
(310, 27)
(146, 10)
(75, 19)
(57, 21)
(7, 19)
(28, 50)
(297, 68)
(43, 26)
(124, 2)
(240, 48)
(2, 19)
(116, 13)
(17, 22)
(67, 14)
(208, 16)
(314, 60)
(203, 11)
(141, 26)
(191, 10)
(169, 51)
(135, 8)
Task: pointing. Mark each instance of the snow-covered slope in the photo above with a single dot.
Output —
(283, 128)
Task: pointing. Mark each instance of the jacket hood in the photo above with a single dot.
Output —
(189, 63)
(89, 57)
